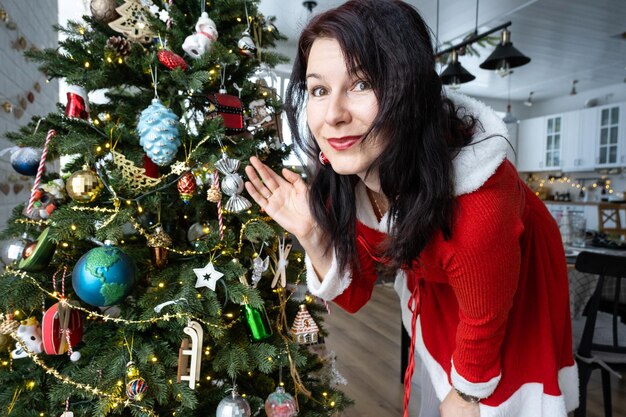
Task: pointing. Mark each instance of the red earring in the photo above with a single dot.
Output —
(323, 159)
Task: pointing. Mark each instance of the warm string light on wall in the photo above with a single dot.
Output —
(602, 184)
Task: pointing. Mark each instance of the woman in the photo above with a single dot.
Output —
(412, 181)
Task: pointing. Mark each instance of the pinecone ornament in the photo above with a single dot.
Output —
(213, 194)
(158, 133)
(119, 44)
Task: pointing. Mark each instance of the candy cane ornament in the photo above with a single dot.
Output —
(220, 217)
(42, 164)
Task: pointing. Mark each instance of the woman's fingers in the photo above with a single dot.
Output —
(256, 184)
(295, 179)
(271, 180)
(260, 200)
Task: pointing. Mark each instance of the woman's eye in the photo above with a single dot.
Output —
(362, 85)
(317, 91)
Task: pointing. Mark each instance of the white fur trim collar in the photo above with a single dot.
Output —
(473, 166)
(478, 161)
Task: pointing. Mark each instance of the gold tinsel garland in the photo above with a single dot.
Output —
(91, 314)
(84, 387)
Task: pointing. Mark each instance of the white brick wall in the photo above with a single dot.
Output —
(34, 20)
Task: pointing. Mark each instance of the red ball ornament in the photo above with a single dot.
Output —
(171, 60)
(186, 186)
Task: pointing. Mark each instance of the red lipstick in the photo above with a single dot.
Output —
(343, 143)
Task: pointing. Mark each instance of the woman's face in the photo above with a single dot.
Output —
(340, 110)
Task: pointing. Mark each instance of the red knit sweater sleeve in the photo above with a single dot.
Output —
(364, 275)
(483, 264)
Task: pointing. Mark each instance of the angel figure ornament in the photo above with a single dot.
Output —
(201, 42)
(259, 265)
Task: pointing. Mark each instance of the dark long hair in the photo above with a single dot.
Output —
(390, 45)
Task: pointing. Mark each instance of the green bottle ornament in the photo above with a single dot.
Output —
(257, 321)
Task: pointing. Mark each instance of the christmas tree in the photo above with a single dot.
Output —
(140, 280)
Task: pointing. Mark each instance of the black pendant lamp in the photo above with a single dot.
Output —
(455, 74)
(505, 56)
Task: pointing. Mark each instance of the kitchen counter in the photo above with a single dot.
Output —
(580, 203)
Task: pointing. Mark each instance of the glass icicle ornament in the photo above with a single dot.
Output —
(158, 133)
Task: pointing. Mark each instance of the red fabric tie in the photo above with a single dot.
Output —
(414, 307)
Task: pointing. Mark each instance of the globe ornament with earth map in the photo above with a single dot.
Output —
(104, 276)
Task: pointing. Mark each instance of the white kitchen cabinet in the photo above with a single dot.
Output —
(553, 134)
(609, 135)
(578, 147)
(531, 151)
(586, 158)
(511, 150)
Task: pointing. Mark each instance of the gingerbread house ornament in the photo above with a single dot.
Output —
(304, 329)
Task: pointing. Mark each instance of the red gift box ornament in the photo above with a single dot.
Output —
(231, 110)
(62, 329)
(77, 102)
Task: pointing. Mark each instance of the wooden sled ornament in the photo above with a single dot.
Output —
(189, 354)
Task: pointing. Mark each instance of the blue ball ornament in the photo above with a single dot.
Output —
(158, 133)
(26, 160)
(104, 276)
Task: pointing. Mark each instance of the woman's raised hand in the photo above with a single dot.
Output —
(284, 199)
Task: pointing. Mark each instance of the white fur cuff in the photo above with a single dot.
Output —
(475, 389)
(333, 284)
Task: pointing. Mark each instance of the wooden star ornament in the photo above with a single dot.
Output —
(210, 271)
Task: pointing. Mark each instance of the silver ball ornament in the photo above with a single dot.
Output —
(233, 406)
(197, 231)
(12, 249)
(104, 10)
(232, 184)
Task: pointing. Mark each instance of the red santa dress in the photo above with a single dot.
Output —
(492, 302)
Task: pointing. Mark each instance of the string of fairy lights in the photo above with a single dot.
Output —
(125, 402)
(602, 184)
(117, 400)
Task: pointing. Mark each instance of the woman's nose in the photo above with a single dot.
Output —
(337, 110)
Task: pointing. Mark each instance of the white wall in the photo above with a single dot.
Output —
(34, 20)
(605, 95)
